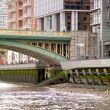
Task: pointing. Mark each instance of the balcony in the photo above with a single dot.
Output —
(20, 17)
(28, 3)
(95, 7)
(13, 19)
(27, 15)
(20, 8)
(12, 9)
(93, 22)
(27, 26)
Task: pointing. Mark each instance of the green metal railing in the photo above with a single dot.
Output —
(35, 33)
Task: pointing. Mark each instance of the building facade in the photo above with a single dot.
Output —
(3, 14)
(20, 17)
(100, 23)
(62, 15)
(3, 25)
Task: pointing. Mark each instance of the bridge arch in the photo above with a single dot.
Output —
(44, 55)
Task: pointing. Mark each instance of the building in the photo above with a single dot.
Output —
(71, 16)
(20, 17)
(3, 25)
(62, 15)
(3, 14)
(100, 23)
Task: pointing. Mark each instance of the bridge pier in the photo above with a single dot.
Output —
(85, 77)
(99, 77)
(78, 76)
(92, 77)
(107, 74)
(89, 76)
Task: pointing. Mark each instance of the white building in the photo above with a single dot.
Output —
(62, 15)
(100, 22)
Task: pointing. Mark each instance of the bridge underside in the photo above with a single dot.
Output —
(49, 58)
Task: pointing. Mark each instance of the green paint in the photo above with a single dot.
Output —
(24, 38)
(30, 48)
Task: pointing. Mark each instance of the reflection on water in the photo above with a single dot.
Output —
(32, 98)
(6, 85)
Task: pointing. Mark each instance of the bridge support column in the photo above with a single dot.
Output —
(85, 75)
(72, 78)
(66, 51)
(107, 75)
(93, 79)
(50, 72)
(77, 73)
(62, 49)
(99, 76)
(56, 48)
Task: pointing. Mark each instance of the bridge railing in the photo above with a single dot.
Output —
(35, 33)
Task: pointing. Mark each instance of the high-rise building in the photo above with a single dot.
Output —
(20, 17)
(100, 23)
(3, 25)
(62, 15)
(3, 14)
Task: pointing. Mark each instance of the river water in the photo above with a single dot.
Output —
(31, 97)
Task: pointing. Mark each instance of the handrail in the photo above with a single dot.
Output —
(34, 33)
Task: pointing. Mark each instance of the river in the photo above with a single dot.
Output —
(61, 97)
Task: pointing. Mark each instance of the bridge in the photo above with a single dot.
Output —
(49, 47)
(54, 48)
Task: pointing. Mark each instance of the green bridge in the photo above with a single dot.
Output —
(45, 46)
(52, 48)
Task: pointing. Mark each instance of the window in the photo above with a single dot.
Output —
(108, 18)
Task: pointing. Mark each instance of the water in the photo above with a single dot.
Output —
(30, 97)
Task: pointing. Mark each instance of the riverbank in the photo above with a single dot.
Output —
(72, 88)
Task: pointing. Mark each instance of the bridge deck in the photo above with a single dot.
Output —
(98, 63)
(35, 35)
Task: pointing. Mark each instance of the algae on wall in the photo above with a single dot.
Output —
(24, 75)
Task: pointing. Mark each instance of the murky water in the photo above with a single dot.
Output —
(30, 97)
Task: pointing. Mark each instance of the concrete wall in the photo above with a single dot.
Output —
(23, 75)
(105, 24)
(83, 45)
